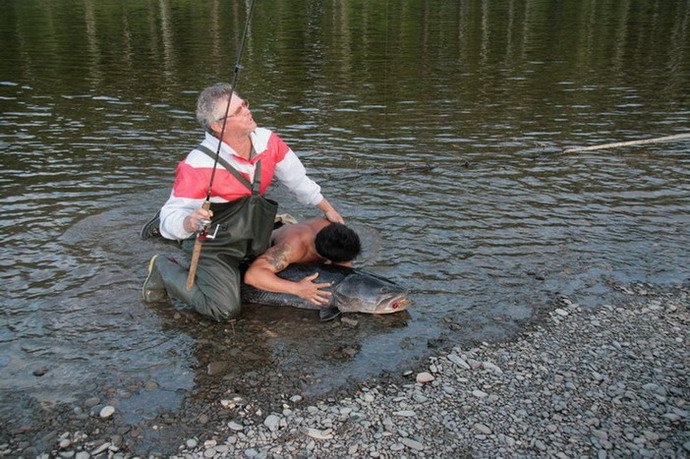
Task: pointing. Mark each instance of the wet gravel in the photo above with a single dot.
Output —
(609, 382)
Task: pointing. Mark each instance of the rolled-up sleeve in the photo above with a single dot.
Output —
(291, 173)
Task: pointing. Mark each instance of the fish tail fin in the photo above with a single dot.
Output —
(327, 314)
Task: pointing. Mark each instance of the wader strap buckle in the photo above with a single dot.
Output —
(254, 186)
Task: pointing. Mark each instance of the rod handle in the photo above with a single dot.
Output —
(196, 252)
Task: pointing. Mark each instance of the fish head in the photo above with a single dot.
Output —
(369, 293)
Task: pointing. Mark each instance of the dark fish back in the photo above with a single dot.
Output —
(295, 273)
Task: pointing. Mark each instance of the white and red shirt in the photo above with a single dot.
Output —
(193, 175)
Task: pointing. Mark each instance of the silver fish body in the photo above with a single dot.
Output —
(353, 290)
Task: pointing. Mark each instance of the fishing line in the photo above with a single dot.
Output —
(238, 67)
(386, 69)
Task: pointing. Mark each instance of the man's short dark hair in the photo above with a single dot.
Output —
(337, 243)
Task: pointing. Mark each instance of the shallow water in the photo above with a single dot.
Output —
(436, 130)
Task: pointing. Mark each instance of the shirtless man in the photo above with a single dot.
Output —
(316, 240)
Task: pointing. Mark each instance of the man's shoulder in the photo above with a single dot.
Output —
(317, 222)
(262, 136)
(305, 229)
(298, 240)
(262, 131)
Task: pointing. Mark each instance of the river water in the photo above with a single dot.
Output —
(437, 129)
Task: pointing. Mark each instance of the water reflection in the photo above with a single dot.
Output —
(436, 129)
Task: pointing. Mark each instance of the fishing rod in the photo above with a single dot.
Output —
(203, 232)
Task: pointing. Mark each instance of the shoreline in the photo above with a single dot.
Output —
(613, 382)
(609, 382)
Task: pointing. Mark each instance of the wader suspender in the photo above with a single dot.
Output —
(254, 187)
(243, 226)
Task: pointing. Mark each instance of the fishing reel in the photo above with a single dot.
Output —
(203, 230)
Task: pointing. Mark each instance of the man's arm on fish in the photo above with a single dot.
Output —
(262, 274)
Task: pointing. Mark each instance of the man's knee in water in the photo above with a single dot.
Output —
(220, 311)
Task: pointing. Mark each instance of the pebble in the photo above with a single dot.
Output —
(410, 443)
(482, 428)
(425, 377)
(91, 402)
(319, 434)
(491, 367)
(459, 361)
(104, 447)
(232, 425)
(272, 421)
(107, 411)
(397, 447)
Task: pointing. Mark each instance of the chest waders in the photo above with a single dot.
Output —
(242, 227)
(239, 229)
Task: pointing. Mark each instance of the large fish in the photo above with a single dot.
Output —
(354, 290)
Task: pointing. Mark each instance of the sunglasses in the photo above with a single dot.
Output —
(245, 104)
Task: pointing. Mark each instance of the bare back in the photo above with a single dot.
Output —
(294, 244)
